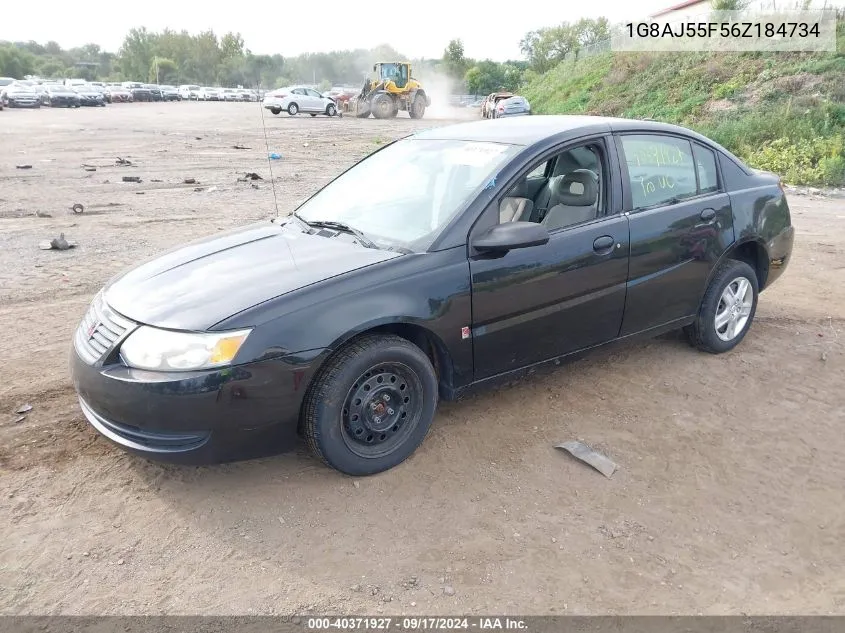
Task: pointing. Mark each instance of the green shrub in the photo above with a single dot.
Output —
(816, 161)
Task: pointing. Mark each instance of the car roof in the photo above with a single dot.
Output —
(534, 129)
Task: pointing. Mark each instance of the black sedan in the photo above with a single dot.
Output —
(91, 96)
(448, 260)
(20, 96)
(57, 96)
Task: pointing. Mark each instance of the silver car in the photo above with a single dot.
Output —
(513, 106)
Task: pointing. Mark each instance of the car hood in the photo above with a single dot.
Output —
(200, 284)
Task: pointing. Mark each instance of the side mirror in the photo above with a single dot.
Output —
(511, 235)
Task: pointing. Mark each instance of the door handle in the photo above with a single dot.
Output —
(708, 215)
(603, 243)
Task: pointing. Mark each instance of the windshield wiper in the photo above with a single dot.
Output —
(340, 226)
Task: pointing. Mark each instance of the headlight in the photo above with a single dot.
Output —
(166, 350)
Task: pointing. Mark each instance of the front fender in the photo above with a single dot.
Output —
(430, 291)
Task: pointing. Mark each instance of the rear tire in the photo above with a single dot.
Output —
(371, 405)
(727, 309)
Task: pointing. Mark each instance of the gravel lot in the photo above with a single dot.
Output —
(729, 496)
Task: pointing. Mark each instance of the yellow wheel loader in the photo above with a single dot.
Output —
(392, 90)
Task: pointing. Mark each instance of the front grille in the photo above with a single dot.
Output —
(98, 332)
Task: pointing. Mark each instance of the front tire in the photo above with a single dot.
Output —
(276, 110)
(727, 309)
(382, 106)
(417, 110)
(331, 110)
(371, 405)
(293, 109)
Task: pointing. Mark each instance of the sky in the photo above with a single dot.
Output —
(417, 29)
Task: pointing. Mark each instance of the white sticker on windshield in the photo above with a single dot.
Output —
(475, 154)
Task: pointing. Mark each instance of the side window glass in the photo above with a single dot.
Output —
(705, 164)
(567, 199)
(539, 171)
(661, 169)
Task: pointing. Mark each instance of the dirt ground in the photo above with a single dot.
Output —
(729, 498)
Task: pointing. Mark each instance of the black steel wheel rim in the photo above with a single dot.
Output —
(382, 408)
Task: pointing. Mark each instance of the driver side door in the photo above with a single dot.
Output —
(533, 304)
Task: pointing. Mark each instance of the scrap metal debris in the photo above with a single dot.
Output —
(56, 244)
(251, 175)
(77, 208)
(587, 455)
(26, 408)
(24, 166)
(122, 161)
(131, 179)
(239, 146)
(190, 181)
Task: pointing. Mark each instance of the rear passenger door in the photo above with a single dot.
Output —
(680, 223)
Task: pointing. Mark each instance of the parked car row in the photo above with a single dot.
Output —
(74, 93)
(209, 93)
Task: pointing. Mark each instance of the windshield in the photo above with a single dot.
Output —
(405, 194)
(20, 88)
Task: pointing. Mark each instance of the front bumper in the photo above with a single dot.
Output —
(202, 417)
(63, 102)
(16, 102)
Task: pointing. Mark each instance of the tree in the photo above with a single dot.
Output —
(163, 70)
(547, 47)
(454, 60)
(15, 62)
(232, 46)
(730, 5)
(136, 53)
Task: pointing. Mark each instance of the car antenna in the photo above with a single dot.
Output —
(267, 147)
(270, 167)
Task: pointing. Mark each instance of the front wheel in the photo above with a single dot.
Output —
(276, 110)
(331, 110)
(418, 108)
(371, 406)
(727, 309)
(293, 109)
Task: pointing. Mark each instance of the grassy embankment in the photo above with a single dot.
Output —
(783, 112)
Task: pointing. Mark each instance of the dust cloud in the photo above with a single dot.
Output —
(440, 88)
